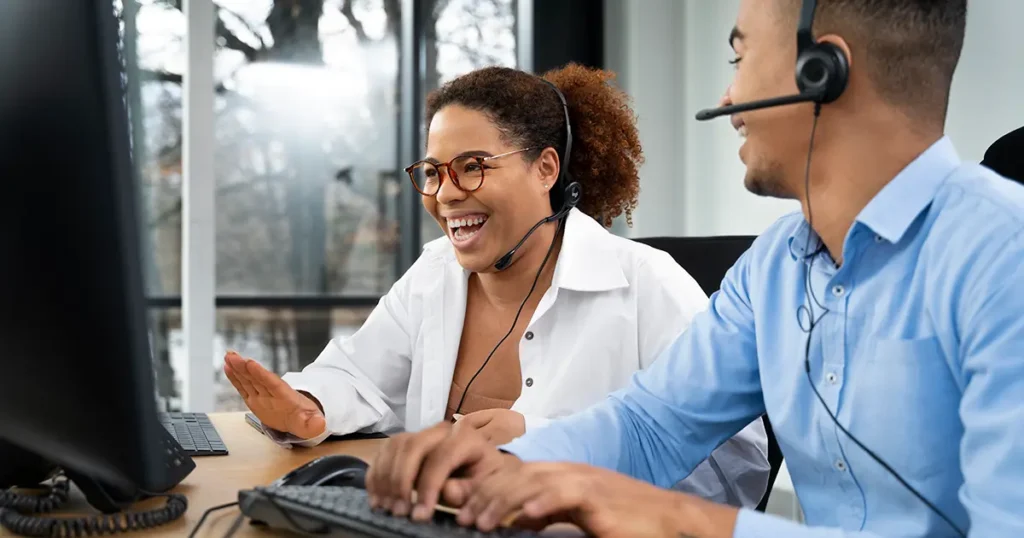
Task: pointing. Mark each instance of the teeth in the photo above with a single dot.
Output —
(742, 131)
(471, 221)
(461, 234)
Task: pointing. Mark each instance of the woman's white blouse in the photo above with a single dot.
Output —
(613, 306)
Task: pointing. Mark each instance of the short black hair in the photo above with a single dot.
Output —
(910, 48)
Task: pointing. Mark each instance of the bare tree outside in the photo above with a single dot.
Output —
(306, 148)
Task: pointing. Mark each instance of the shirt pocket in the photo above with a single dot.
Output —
(905, 406)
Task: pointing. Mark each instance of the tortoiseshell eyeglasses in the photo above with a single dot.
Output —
(465, 171)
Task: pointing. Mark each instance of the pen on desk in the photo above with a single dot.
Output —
(507, 522)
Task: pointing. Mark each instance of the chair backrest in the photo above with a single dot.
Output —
(1006, 155)
(707, 259)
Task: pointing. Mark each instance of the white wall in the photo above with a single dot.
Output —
(671, 56)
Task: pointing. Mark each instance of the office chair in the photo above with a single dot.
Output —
(1006, 156)
(707, 259)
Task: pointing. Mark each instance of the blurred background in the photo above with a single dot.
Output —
(317, 106)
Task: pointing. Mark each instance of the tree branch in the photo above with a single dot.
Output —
(231, 40)
(176, 208)
(149, 75)
(234, 42)
(356, 24)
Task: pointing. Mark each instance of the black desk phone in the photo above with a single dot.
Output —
(21, 511)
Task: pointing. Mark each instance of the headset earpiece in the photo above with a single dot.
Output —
(573, 193)
(822, 70)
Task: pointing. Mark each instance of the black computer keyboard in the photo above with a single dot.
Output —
(345, 511)
(195, 433)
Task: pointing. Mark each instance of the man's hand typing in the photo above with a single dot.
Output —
(439, 460)
(599, 501)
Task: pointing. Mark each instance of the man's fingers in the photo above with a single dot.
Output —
(456, 451)
(549, 504)
(567, 491)
(533, 494)
(386, 473)
(456, 491)
(498, 499)
(376, 475)
(407, 466)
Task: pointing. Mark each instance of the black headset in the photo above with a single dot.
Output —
(822, 68)
(568, 197)
(822, 72)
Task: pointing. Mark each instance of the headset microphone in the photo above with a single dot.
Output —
(710, 113)
(822, 72)
(571, 198)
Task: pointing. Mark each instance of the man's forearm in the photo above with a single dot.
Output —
(591, 437)
(697, 518)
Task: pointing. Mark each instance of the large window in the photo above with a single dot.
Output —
(464, 35)
(308, 120)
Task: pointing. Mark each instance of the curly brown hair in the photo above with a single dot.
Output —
(606, 153)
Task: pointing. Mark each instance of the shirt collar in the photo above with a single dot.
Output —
(890, 213)
(586, 262)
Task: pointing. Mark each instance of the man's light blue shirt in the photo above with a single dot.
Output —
(920, 354)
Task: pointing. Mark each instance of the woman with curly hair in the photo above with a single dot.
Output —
(528, 309)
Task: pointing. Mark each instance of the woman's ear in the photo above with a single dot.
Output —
(547, 168)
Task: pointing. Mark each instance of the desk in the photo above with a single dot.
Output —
(253, 460)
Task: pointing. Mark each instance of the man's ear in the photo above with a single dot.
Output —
(842, 44)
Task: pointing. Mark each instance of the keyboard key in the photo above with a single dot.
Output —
(194, 432)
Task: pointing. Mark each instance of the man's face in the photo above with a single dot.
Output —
(775, 139)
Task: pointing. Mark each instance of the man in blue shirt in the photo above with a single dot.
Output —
(909, 262)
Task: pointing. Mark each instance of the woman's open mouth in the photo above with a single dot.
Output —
(465, 228)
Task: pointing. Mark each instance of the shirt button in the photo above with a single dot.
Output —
(831, 377)
(838, 290)
(529, 335)
(840, 465)
(529, 382)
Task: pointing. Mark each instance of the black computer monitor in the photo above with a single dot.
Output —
(76, 378)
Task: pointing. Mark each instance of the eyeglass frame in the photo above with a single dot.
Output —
(452, 173)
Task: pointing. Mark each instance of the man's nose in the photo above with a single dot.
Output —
(725, 99)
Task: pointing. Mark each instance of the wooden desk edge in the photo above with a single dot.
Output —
(253, 460)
